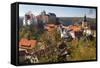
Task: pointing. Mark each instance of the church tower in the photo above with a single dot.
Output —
(84, 22)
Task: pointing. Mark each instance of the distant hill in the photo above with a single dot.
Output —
(93, 20)
(67, 20)
(71, 20)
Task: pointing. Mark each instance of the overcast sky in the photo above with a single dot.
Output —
(59, 11)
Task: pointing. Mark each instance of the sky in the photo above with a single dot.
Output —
(59, 11)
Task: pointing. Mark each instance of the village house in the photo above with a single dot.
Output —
(74, 28)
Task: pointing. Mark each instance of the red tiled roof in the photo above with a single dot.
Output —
(25, 43)
(75, 28)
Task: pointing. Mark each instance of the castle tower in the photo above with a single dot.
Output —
(28, 18)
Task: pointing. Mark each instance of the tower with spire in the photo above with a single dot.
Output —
(84, 22)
